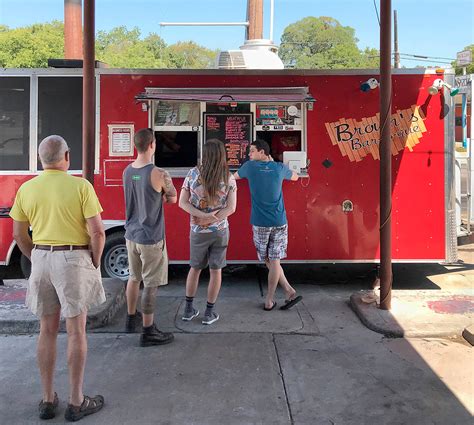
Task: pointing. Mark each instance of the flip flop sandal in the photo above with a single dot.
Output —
(271, 308)
(89, 406)
(290, 303)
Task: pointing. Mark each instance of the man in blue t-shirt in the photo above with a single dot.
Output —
(268, 217)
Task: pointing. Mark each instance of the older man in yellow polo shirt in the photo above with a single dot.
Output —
(68, 239)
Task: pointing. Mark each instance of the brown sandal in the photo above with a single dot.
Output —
(47, 409)
(89, 406)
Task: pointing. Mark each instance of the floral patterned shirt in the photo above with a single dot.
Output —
(197, 198)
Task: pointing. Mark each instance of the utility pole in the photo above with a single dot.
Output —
(72, 29)
(395, 40)
(255, 19)
(385, 155)
(88, 93)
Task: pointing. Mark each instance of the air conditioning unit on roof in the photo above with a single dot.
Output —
(254, 54)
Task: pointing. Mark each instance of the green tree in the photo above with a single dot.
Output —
(469, 68)
(32, 46)
(122, 48)
(187, 54)
(323, 43)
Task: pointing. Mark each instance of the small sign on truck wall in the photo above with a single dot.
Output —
(120, 139)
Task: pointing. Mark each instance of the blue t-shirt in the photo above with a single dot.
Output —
(265, 181)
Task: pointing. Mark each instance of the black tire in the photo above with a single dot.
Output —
(25, 266)
(114, 259)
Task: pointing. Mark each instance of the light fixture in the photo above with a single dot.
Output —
(438, 84)
(370, 84)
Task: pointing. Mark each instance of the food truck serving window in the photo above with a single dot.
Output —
(185, 118)
(176, 125)
(281, 126)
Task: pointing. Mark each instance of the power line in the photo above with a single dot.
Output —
(377, 12)
(426, 57)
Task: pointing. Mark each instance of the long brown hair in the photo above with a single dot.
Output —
(214, 168)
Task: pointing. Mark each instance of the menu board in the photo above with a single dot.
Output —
(235, 130)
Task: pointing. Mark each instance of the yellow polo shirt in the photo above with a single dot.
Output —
(56, 205)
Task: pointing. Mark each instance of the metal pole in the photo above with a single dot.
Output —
(395, 40)
(385, 156)
(272, 12)
(88, 92)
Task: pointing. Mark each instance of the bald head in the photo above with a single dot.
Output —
(51, 150)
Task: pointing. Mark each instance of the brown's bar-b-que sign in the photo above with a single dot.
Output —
(356, 139)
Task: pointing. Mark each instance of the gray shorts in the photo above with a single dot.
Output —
(271, 242)
(63, 279)
(208, 249)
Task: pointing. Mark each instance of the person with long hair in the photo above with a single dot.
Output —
(209, 195)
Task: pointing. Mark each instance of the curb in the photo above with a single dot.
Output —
(97, 317)
(384, 322)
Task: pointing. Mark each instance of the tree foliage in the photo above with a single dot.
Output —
(469, 68)
(324, 43)
(32, 46)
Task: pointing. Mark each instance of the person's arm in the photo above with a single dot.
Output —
(294, 176)
(231, 205)
(185, 205)
(236, 176)
(96, 231)
(161, 181)
(22, 238)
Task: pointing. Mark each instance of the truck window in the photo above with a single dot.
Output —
(14, 123)
(281, 126)
(60, 112)
(177, 130)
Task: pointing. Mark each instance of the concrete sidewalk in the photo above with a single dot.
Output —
(315, 364)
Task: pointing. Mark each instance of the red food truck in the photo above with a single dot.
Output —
(324, 124)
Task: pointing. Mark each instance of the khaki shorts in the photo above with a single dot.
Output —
(65, 279)
(148, 263)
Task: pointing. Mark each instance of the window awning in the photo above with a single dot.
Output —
(229, 94)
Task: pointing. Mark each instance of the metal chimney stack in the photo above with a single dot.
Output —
(255, 19)
(73, 29)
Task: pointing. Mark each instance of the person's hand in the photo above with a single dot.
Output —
(206, 219)
(95, 263)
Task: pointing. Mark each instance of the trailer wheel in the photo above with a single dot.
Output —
(25, 266)
(114, 258)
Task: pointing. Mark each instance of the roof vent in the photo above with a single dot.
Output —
(254, 54)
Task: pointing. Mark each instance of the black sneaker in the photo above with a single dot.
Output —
(47, 409)
(133, 323)
(153, 336)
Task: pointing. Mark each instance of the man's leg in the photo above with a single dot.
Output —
(148, 305)
(133, 292)
(49, 326)
(273, 277)
(290, 292)
(76, 356)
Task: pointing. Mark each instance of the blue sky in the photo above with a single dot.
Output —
(436, 28)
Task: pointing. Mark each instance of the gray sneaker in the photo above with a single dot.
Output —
(209, 319)
(190, 314)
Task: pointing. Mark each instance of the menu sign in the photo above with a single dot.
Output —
(235, 130)
(120, 139)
